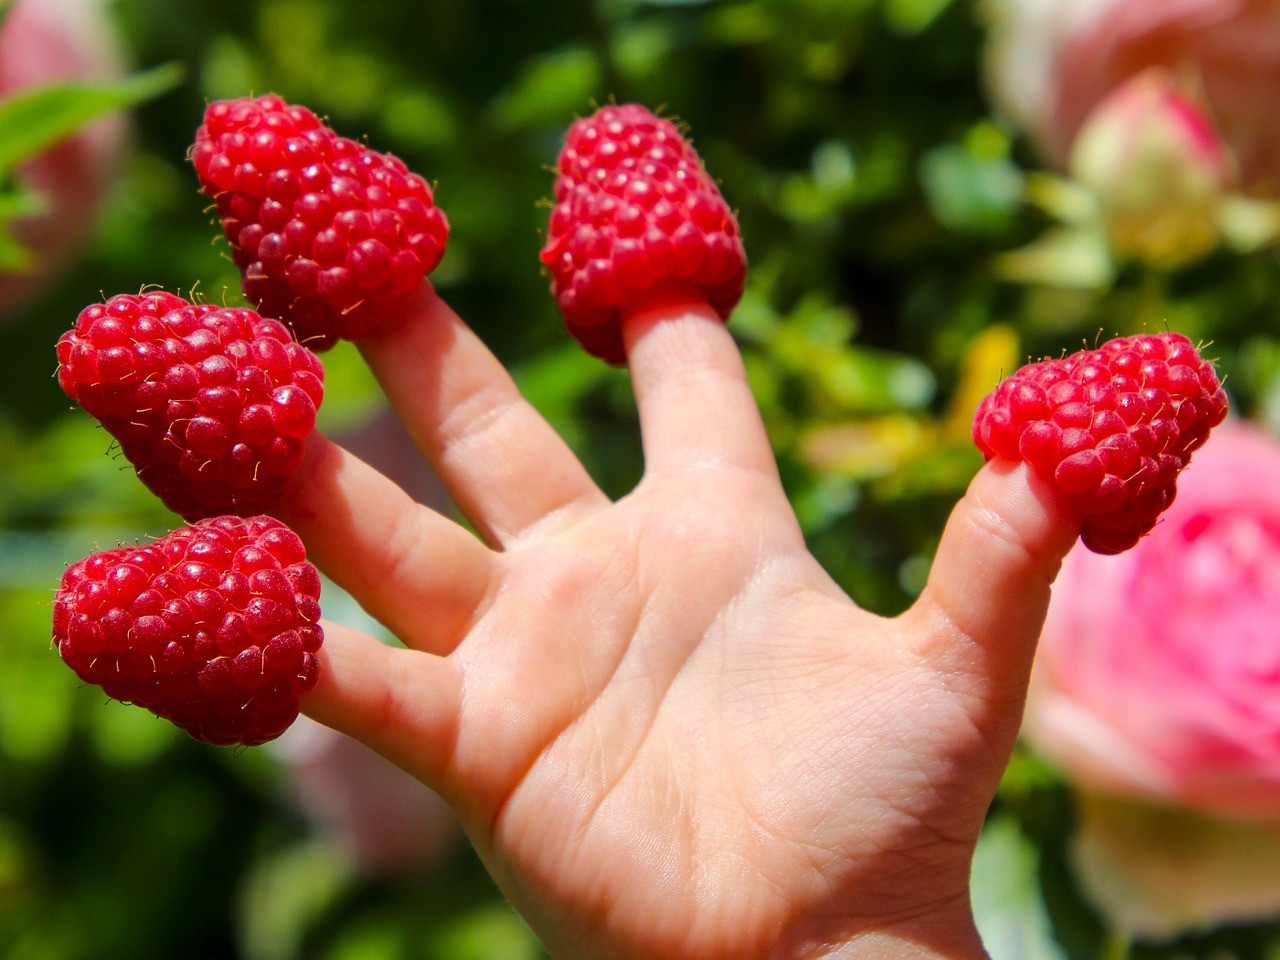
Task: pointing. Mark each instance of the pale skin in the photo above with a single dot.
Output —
(666, 730)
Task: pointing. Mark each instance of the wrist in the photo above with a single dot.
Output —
(884, 946)
(945, 934)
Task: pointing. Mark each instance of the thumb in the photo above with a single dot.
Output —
(988, 590)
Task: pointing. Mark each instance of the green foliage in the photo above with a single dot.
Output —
(882, 207)
(1007, 898)
(15, 202)
(35, 119)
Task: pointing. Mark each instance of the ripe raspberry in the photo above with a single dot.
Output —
(634, 208)
(329, 235)
(210, 404)
(214, 627)
(1111, 428)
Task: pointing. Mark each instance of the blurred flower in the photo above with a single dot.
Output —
(1157, 683)
(1224, 52)
(1158, 673)
(1157, 109)
(44, 42)
(1160, 871)
(1051, 62)
(1024, 40)
(1156, 168)
(382, 818)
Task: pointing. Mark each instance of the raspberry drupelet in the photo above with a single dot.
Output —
(210, 404)
(329, 235)
(1109, 428)
(634, 210)
(213, 627)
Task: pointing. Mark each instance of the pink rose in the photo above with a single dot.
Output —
(1159, 871)
(1156, 691)
(1158, 673)
(1156, 168)
(44, 42)
(1051, 62)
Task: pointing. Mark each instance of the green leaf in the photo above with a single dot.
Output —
(36, 119)
(492, 931)
(550, 88)
(285, 894)
(968, 191)
(14, 257)
(1007, 902)
(1076, 258)
(913, 16)
(16, 203)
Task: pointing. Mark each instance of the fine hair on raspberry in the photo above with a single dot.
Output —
(210, 404)
(634, 210)
(214, 626)
(329, 235)
(1110, 428)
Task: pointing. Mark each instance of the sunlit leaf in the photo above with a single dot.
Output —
(14, 257)
(912, 16)
(866, 449)
(15, 204)
(1073, 257)
(1007, 903)
(988, 357)
(495, 931)
(285, 894)
(556, 382)
(36, 119)
(550, 89)
(968, 191)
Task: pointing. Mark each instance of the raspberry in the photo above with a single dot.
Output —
(1110, 428)
(210, 404)
(329, 235)
(635, 208)
(214, 627)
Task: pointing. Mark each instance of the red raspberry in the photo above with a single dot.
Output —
(634, 208)
(210, 404)
(329, 235)
(1110, 428)
(214, 627)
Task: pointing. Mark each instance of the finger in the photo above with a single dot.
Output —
(402, 703)
(414, 570)
(988, 590)
(691, 388)
(502, 463)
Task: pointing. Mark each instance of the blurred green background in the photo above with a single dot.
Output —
(876, 195)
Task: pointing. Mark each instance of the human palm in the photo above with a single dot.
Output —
(666, 730)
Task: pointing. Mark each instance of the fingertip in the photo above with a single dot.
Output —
(418, 306)
(350, 690)
(996, 562)
(1012, 503)
(402, 703)
(668, 303)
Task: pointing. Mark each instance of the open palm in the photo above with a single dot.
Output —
(666, 730)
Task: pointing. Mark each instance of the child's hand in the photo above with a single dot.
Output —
(667, 731)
